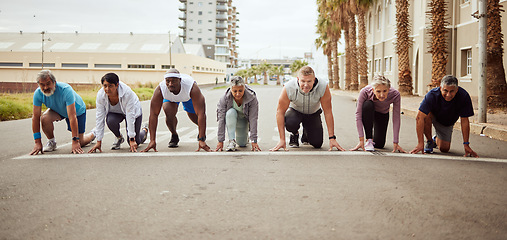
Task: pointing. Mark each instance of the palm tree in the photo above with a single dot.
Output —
(362, 55)
(351, 10)
(403, 44)
(255, 71)
(264, 68)
(438, 44)
(278, 71)
(242, 73)
(496, 85)
(296, 65)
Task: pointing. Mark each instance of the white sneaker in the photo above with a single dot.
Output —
(232, 146)
(369, 145)
(117, 143)
(50, 146)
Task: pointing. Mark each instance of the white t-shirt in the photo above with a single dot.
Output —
(184, 95)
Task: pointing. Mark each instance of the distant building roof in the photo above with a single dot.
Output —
(90, 42)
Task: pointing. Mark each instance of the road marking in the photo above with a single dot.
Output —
(264, 153)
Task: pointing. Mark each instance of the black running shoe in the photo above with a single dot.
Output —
(174, 141)
(294, 140)
(304, 138)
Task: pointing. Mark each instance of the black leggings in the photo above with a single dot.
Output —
(312, 125)
(375, 124)
(113, 123)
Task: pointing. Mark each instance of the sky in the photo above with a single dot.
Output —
(268, 29)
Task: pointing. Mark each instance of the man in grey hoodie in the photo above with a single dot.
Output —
(238, 111)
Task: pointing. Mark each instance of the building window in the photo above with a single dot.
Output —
(466, 62)
(377, 65)
(369, 66)
(199, 30)
(199, 40)
(388, 63)
(40, 65)
(191, 2)
(11, 64)
(199, 13)
(108, 65)
(369, 23)
(199, 21)
(379, 14)
(74, 65)
(209, 21)
(388, 11)
(141, 66)
(199, 4)
(168, 66)
(210, 12)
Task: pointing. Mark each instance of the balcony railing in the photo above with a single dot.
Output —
(221, 17)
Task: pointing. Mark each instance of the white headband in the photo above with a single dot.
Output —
(174, 75)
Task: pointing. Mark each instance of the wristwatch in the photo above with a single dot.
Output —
(132, 139)
(75, 138)
(332, 137)
(201, 138)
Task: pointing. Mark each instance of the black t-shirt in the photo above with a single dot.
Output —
(447, 112)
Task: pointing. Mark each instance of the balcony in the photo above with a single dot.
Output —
(182, 25)
(221, 17)
(182, 16)
(221, 35)
(183, 7)
(221, 8)
(183, 1)
(222, 1)
(221, 26)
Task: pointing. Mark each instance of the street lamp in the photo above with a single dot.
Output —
(42, 52)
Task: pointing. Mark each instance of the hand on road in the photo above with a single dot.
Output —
(151, 145)
(360, 145)
(76, 147)
(418, 148)
(203, 146)
(98, 146)
(469, 152)
(37, 148)
(281, 144)
(398, 148)
(133, 146)
(255, 147)
(333, 143)
(220, 147)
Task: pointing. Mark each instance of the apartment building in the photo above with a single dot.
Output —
(462, 41)
(212, 23)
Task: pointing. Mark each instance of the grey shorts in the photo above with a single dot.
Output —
(443, 132)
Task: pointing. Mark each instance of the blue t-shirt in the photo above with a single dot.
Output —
(63, 96)
(447, 112)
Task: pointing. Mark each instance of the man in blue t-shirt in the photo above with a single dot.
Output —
(441, 107)
(62, 103)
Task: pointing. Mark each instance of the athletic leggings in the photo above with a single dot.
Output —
(312, 125)
(237, 127)
(375, 124)
(113, 123)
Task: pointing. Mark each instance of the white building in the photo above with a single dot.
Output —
(212, 23)
(86, 57)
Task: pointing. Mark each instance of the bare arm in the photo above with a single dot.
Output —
(465, 131)
(327, 107)
(199, 104)
(71, 112)
(283, 105)
(36, 129)
(420, 132)
(155, 107)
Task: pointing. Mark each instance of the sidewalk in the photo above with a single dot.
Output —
(496, 126)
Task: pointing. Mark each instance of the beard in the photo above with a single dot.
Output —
(48, 94)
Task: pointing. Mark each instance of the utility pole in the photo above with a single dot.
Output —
(483, 104)
(170, 51)
(42, 51)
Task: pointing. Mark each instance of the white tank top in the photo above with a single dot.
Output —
(184, 95)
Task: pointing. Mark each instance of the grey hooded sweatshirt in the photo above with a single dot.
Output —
(250, 109)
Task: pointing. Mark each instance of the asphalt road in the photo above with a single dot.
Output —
(304, 193)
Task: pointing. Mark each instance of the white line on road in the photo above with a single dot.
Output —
(265, 153)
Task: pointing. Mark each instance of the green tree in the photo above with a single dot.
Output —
(278, 71)
(254, 70)
(296, 65)
(265, 68)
